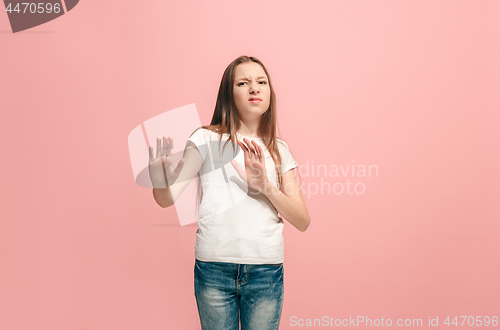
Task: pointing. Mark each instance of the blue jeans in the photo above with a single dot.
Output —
(223, 290)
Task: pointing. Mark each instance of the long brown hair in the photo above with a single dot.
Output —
(226, 119)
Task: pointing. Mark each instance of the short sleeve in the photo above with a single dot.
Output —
(287, 160)
(199, 138)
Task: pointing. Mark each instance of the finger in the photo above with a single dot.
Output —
(165, 145)
(179, 167)
(151, 159)
(245, 149)
(239, 170)
(170, 146)
(258, 149)
(250, 146)
(158, 147)
(262, 156)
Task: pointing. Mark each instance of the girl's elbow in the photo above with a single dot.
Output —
(307, 223)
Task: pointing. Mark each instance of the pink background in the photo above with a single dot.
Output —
(409, 86)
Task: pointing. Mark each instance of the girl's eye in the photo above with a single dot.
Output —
(265, 82)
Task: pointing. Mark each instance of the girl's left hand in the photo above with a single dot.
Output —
(255, 166)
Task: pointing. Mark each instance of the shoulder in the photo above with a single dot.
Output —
(196, 130)
(282, 143)
(204, 131)
(283, 148)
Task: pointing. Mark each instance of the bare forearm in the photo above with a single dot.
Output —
(295, 213)
(163, 196)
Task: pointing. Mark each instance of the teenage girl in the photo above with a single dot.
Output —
(239, 251)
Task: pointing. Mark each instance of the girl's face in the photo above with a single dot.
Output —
(251, 82)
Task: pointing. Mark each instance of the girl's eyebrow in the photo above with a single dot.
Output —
(249, 79)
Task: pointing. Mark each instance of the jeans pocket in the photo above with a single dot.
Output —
(275, 265)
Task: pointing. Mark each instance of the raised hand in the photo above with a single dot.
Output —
(161, 169)
(255, 174)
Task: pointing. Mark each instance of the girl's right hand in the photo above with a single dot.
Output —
(162, 164)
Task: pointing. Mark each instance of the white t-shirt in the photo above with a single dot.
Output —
(236, 224)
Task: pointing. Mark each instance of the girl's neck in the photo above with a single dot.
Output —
(246, 131)
(248, 136)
